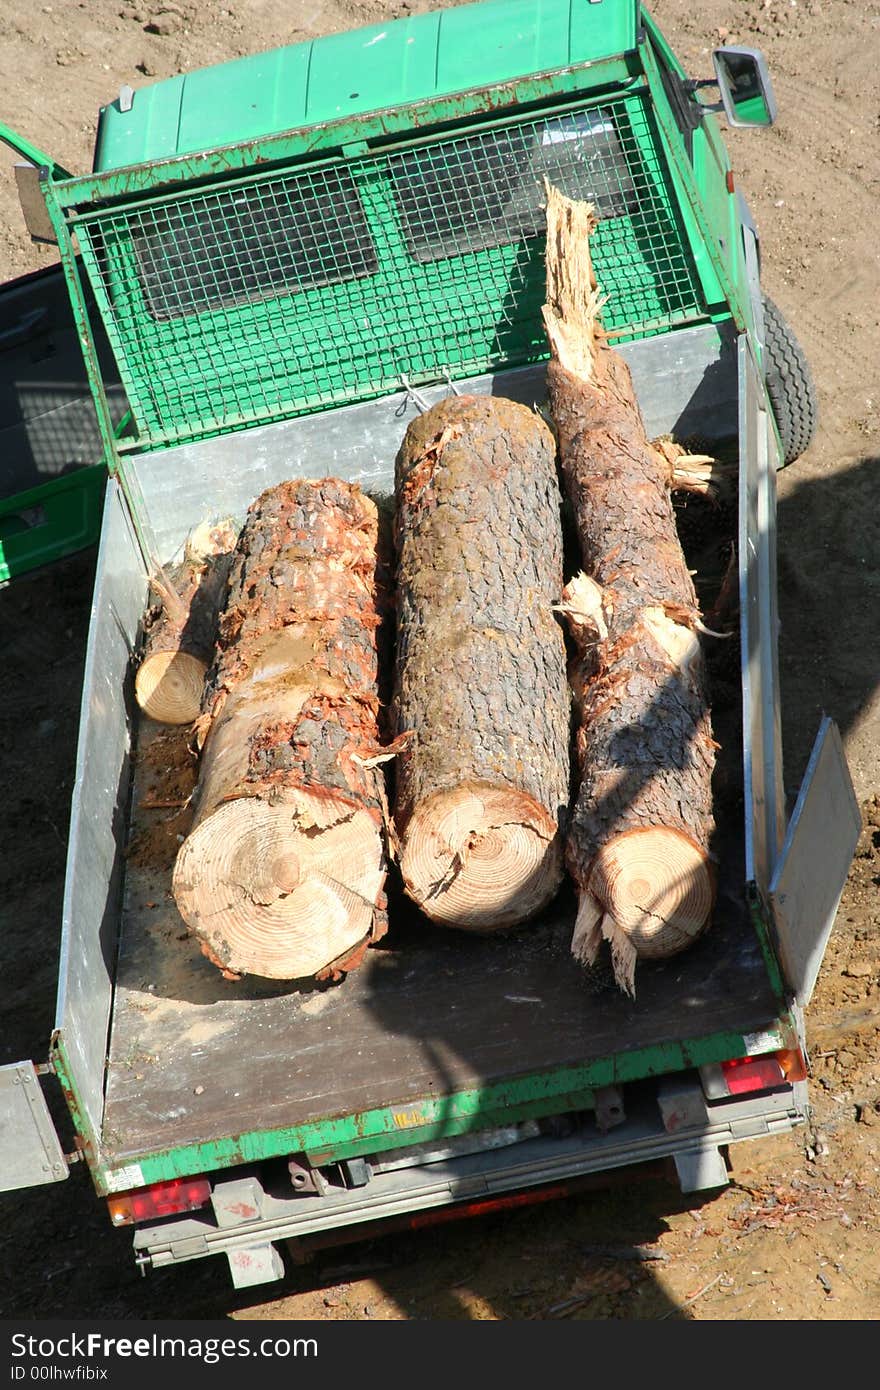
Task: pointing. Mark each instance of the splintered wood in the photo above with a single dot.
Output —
(482, 784)
(283, 873)
(638, 843)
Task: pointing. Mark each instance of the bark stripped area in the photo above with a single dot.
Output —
(180, 626)
(481, 682)
(283, 873)
(638, 842)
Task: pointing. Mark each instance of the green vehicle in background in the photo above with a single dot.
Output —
(273, 265)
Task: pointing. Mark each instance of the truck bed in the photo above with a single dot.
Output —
(162, 1051)
(194, 1057)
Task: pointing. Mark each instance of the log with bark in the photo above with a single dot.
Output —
(283, 872)
(180, 625)
(481, 684)
(638, 843)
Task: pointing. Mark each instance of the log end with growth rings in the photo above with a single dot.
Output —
(649, 894)
(169, 686)
(279, 889)
(180, 628)
(481, 857)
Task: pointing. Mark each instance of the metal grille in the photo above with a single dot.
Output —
(269, 297)
(234, 247)
(489, 191)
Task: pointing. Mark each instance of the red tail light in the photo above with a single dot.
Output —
(488, 1204)
(160, 1199)
(744, 1074)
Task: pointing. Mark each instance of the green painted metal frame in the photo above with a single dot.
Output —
(70, 265)
(542, 94)
(374, 129)
(700, 229)
(51, 521)
(64, 195)
(224, 366)
(421, 1118)
(32, 153)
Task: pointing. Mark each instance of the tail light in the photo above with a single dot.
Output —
(742, 1076)
(160, 1199)
(485, 1205)
(745, 1074)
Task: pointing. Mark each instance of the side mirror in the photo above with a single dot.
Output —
(746, 90)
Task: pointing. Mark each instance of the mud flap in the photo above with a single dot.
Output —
(809, 878)
(30, 1153)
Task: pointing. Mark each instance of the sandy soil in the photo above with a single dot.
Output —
(795, 1235)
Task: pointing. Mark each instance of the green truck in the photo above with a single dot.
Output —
(274, 265)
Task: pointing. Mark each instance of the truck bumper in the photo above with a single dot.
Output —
(675, 1123)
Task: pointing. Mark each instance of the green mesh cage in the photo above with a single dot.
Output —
(273, 295)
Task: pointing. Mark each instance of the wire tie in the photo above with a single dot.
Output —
(413, 395)
(444, 372)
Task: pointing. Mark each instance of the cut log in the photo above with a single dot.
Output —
(283, 872)
(180, 626)
(638, 843)
(481, 682)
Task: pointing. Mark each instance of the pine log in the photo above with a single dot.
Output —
(283, 873)
(180, 626)
(638, 842)
(480, 680)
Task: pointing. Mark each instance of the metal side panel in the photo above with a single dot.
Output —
(30, 1153)
(759, 624)
(90, 921)
(809, 879)
(686, 384)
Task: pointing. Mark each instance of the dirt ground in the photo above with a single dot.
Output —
(795, 1234)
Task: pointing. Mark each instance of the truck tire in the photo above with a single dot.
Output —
(789, 384)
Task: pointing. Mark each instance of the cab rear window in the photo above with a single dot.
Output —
(488, 190)
(252, 242)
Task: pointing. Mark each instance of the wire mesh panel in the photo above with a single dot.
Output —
(271, 296)
(232, 248)
(487, 190)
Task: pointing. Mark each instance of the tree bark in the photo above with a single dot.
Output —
(180, 626)
(481, 684)
(638, 844)
(283, 873)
